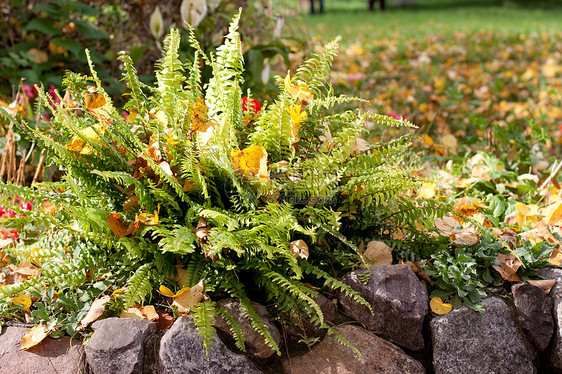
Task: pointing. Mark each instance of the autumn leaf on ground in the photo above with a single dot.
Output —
(186, 298)
(141, 312)
(25, 269)
(120, 228)
(545, 284)
(34, 336)
(299, 249)
(553, 213)
(427, 191)
(555, 257)
(251, 161)
(378, 253)
(446, 225)
(509, 264)
(467, 236)
(24, 300)
(96, 310)
(164, 321)
(439, 307)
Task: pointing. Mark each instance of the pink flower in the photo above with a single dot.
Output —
(30, 91)
(55, 98)
(8, 214)
(355, 77)
(125, 115)
(396, 116)
(3, 235)
(15, 234)
(254, 105)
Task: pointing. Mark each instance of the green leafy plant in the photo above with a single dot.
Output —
(229, 195)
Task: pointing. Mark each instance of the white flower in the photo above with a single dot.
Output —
(157, 23)
(193, 12)
(278, 26)
(214, 4)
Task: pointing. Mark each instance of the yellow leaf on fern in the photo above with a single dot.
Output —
(251, 161)
(78, 144)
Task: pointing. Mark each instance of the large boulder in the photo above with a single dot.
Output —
(534, 309)
(256, 345)
(117, 345)
(398, 299)
(331, 357)
(181, 351)
(62, 356)
(466, 341)
(555, 351)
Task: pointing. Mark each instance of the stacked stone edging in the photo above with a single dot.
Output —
(523, 336)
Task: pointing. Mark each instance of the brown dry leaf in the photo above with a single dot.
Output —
(509, 264)
(251, 161)
(34, 336)
(96, 310)
(164, 321)
(47, 207)
(131, 202)
(545, 284)
(419, 271)
(188, 297)
(446, 225)
(555, 257)
(25, 269)
(299, 248)
(439, 307)
(120, 228)
(467, 236)
(378, 253)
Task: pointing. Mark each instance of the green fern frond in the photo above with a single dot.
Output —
(138, 286)
(204, 318)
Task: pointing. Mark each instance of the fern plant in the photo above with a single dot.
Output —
(190, 179)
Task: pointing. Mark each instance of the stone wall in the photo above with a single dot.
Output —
(520, 332)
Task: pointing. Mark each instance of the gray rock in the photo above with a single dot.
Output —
(398, 299)
(466, 341)
(330, 357)
(182, 352)
(62, 356)
(255, 343)
(555, 351)
(534, 308)
(296, 325)
(117, 346)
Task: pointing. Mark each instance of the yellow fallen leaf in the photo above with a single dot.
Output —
(188, 297)
(78, 144)
(439, 307)
(24, 300)
(297, 115)
(96, 310)
(300, 91)
(251, 161)
(149, 312)
(34, 336)
(166, 291)
(299, 248)
(131, 313)
(427, 191)
(553, 213)
(378, 253)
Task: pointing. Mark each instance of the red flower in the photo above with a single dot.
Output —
(30, 91)
(3, 235)
(8, 213)
(15, 234)
(254, 106)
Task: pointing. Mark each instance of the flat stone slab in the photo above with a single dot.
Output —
(61, 356)
(466, 341)
(330, 357)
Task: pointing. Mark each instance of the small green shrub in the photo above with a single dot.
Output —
(191, 179)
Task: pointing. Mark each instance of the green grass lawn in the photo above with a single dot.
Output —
(350, 19)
